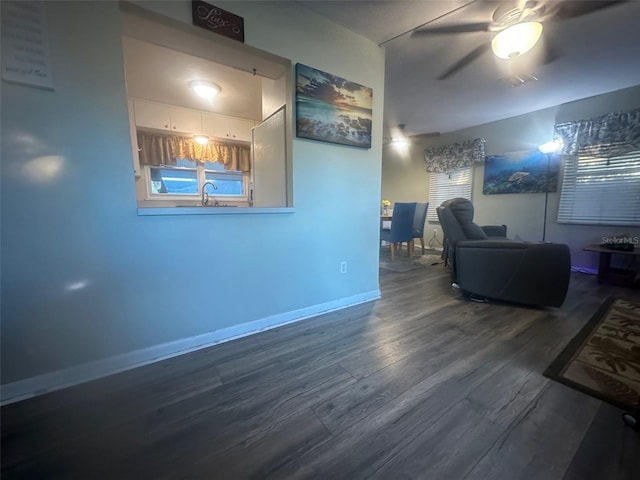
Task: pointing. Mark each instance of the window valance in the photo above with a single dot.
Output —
(158, 149)
(455, 156)
(610, 135)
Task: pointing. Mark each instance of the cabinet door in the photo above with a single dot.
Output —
(134, 140)
(215, 125)
(240, 129)
(152, 115)
(269, 154)
(185, 120)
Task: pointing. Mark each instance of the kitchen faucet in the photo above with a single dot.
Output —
(205, 195)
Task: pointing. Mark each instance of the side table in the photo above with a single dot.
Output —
(606, 272)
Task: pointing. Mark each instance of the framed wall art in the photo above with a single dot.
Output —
(521, 172)
(26, 56)
(332, 109)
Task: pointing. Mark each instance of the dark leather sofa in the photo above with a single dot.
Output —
(498, 268)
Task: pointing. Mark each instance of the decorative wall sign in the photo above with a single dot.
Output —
(217, 20)
(521, 172)
(25, 44)
(332, 109)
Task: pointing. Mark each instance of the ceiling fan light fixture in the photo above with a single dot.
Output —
(204, 89)
(516, 40)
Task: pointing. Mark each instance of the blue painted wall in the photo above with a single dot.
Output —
(85, 278)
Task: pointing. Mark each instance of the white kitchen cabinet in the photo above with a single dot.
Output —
(185, 120)
(152, 115)
(134, 140)
(240, 129)
(215, 125)
(229, 128)
(269, 162)
(167, 117)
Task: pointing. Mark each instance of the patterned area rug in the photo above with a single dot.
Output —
(402, 263)
(603, 360)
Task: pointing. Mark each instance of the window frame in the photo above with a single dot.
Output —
(200, 178)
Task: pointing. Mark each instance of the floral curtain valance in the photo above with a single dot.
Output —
(607, 136)
(158, 149)
(455, 156)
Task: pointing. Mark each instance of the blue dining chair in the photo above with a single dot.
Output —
(418, 222)
(401, 228)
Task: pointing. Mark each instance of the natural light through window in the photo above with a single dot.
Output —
(601, 191)
(445, 186)
(187, 178)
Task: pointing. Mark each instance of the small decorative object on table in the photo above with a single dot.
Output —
(385, 206)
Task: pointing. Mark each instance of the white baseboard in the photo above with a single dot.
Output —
(30, 387)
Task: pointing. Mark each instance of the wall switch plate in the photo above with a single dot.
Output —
(343, 267)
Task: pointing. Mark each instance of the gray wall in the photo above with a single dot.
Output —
(404, 177)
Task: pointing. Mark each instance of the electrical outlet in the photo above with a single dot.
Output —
(343, 266)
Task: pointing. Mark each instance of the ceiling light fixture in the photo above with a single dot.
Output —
(553, 146)
(206, 90)
(400, 143)
(516, 40)
(201, 139)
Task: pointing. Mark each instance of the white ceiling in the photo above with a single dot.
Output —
(599, 53)
(161, 74)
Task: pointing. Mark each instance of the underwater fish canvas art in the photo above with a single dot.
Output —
(521, 172)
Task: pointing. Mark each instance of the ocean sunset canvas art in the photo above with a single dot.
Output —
(332, 109)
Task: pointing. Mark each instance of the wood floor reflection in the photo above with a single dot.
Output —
(420, 384)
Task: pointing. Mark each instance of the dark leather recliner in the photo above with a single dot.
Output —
(499, 268)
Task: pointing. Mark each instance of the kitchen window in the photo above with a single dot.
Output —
(187, 177)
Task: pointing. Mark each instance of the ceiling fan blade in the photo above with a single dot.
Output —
(572, 9)
(464, 61)
(460, 28)
(522, 7)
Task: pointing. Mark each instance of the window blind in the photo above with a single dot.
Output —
(445, 186)
(601, 191)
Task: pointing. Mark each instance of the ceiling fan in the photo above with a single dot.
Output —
(516, 27)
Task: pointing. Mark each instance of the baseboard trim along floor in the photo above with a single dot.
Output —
(31, 387)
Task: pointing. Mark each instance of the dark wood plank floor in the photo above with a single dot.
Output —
(420, 384)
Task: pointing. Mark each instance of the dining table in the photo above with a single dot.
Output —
(385, 217)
